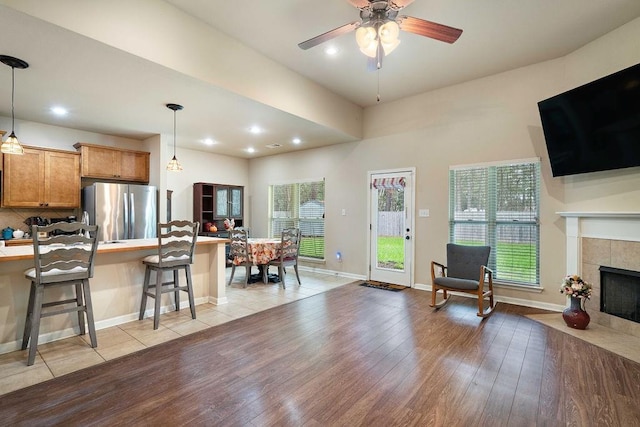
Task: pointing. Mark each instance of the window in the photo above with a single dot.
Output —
(498, 205)
(299, 205)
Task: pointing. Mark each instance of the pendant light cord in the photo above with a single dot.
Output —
(13, 91)
(174, 134)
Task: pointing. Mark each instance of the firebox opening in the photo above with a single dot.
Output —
(620, 293)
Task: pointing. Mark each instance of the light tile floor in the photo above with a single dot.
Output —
(71, 354)
(617, 342)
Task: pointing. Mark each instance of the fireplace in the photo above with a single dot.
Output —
(612, 239)
(620, 293)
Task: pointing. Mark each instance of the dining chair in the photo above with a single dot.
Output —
(63, 255)
(239, 253)
(288, 254)
(466, 271)
(176, 244)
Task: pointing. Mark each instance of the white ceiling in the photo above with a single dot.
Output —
(113, 92)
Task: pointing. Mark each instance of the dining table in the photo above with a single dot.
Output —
(263, 250)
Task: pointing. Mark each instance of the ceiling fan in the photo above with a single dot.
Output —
(378, 28)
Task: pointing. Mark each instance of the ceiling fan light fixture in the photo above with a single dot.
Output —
(390, 47)
(389, 32)
(366, 37)
(371, 50)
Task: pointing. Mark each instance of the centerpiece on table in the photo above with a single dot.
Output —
(577, 291)
(229, 224)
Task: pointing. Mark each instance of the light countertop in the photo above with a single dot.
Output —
(20, 252)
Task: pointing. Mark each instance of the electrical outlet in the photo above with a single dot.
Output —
(344, 212)
(423, 213)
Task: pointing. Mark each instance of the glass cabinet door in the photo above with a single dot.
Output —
(222, 202)
(236, 202)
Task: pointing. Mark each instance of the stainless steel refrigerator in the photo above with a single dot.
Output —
(123, 211)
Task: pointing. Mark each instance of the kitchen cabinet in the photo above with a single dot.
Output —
(213, 203)
(41, 178)
(116, 164)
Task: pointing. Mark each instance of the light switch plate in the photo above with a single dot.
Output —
(423, 213)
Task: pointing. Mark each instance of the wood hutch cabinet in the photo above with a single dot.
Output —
(212, 203)
(116, 164)
(41, 178)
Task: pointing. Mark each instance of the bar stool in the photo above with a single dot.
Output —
(63, 258)
(176, 242)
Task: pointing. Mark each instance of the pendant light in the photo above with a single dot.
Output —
(12, 145)
(174, 165)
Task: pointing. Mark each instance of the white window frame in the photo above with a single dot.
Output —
(317, 224)
(492, 224)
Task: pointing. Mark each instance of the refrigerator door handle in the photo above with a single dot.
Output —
(125, 206)
(132, 222)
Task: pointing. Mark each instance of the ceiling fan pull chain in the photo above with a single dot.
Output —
(378, 84)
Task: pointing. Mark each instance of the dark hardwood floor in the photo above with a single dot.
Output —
(351, 356)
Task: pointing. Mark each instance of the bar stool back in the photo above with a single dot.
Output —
(176, 243)
(63, 256)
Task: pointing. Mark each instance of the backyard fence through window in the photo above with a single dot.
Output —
(498, 205)
(299, 205)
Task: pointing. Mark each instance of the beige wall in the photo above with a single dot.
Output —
(203, 167)
(489, 119)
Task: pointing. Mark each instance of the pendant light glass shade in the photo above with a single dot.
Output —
(174, 165)
(12, 145)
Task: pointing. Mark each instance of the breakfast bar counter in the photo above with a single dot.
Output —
(116, 286)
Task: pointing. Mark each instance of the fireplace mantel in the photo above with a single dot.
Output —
(597, 225)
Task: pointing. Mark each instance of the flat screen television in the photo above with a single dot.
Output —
(594, 127)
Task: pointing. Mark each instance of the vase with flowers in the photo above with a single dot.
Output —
(577, 291)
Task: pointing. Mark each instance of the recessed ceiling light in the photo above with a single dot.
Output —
(208, 141)
(255, 130)
(331, 50)
(296, 140)
(251, 150)
(59, 111)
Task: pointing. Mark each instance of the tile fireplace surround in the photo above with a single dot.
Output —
(603, 238)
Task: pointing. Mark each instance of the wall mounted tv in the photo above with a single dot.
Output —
(596, 126)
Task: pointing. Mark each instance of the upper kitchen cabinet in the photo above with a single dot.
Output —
(41, 178)
(115, 164)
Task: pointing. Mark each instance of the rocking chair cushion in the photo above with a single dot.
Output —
(463, 261)
(455, 283)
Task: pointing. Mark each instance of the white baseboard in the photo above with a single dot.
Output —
(507, 300)
(102, 324)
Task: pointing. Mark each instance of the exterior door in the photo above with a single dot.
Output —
(391, 227)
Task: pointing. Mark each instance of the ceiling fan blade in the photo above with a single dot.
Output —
(399, 4)
(329, 35)
(429, 29)
(359, 3)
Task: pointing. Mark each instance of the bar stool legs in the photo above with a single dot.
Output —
(156, 290)
(82, 302)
